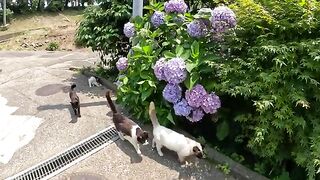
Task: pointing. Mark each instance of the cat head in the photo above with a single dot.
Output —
(142, 136)
(197, 150)
(98, 79)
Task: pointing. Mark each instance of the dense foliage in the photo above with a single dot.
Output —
(268, 65)
(101, 30)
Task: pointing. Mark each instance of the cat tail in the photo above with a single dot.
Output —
(153, 115)
(112, 106)
(73, 86)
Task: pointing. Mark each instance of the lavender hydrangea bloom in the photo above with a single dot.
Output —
(195, 96)
(157, 18)
(197, 115)
(129, 29)
(122, 64)
(172, 93)
(211, 103)
(197, 29)
(182, 108)
(158, 69)
(175, 71)
(178, 6)
(223, 18)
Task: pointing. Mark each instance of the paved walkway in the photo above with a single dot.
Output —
(37, 83)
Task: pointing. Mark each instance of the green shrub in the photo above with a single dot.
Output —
(9, 15)
(101, 29)
(52, 46)
(267, 73)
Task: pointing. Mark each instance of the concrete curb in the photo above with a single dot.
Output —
(238, 170)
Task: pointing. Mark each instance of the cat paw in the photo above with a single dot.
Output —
(139, 152)
(160, 153)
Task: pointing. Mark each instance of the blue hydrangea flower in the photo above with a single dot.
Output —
(196, 95)
(157, 18)
(158, 69)
(129, 29)
(122, 64)
(175, 6)
(182, 108)
(175, 71)
(197, 115)
(211, 103)
(197, 29)
(172, 93)
(223, 18)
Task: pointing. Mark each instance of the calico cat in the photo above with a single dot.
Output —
(75, 101)
(172, 140)
(127, 129)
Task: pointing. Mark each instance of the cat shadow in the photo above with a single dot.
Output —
(126, 147)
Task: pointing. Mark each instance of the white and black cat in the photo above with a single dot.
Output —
(94, 81)
(172, 140)
(75, 101)
(127, 129)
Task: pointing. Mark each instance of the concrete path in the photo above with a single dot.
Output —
(37, 84)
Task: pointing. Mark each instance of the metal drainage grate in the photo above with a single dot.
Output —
(68, 158)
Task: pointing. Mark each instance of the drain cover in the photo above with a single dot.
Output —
(71, 156)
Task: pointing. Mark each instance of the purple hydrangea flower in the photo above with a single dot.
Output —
(223, 18)
(195, 96)
(197, 115)
(182, 108)
(122, 64)
(175, 71)
(197, 28)
(157, 18)
(172, 93)
(211, 103)
(158, 69)
(129, 29)
(178, 6)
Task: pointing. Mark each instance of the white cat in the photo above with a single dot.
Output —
(93, 81)
(172, 140)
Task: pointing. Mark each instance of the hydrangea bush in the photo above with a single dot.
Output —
(166, 59)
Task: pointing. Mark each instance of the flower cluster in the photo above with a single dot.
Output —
(175, 71)
(197, 103)
(182, 108)
(196, 95)
(122, 64)
(175, 6)
(223, 18)
(196, 29)
(172, 93)
(158, 69)
(129, 29)
(157, 18)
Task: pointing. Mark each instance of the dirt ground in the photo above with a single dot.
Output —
(39, 30)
